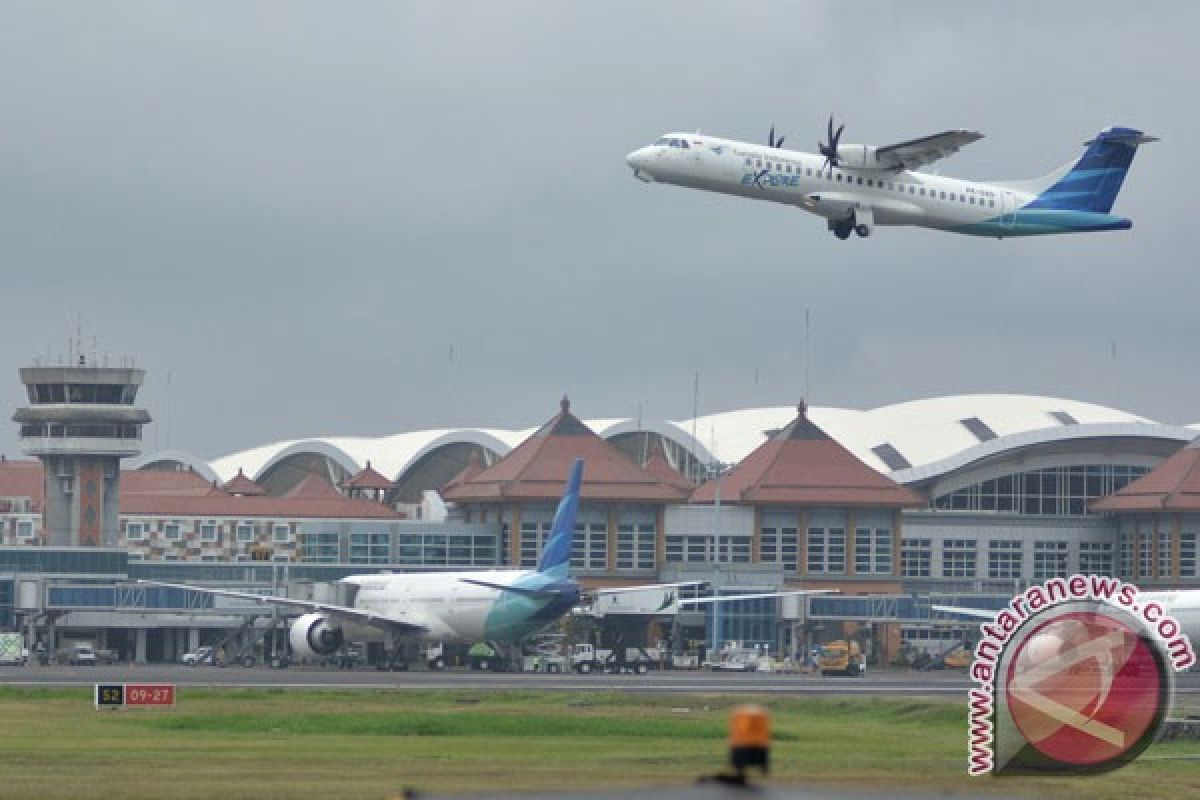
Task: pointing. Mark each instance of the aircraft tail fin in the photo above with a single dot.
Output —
(1092, 182)
(556, 558)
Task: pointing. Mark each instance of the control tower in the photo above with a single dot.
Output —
(80, 422)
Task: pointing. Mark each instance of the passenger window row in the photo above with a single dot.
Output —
(871, 183)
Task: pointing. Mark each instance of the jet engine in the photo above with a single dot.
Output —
(314, 635)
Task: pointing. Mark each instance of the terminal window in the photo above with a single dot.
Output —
(635, 546)
(873, 551)
(916, 556)
(826, 550)
(1049, 560)
(1096, 558)
(172, 531)
(1004, 558)
(779, 546)
(958, 558)
(1187, 555)
(589, 547)
(533, 541)
(245, 532)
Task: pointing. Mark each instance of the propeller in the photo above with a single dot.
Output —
(830, 151)
(772, 141)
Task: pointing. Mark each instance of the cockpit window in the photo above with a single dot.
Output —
(684, 143)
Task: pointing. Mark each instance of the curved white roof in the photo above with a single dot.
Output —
(929, 435)
(390, 455)
(923, 432)
(195, 462)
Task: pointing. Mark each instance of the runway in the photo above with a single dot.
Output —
(886, 683)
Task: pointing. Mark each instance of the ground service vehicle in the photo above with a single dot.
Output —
(842, 658)
(82, 655)
(12, 649)
(586, 658)
(201, 655)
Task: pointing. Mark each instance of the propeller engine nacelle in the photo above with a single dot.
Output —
(857, 156)
(314, 635)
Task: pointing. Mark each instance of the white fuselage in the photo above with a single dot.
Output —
(442, 602)
(803, 180)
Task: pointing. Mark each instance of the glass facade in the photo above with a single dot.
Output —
(780, 546)
(63, 560)
(826, 551)
(1004, 558)
(916, 557)
(533, 541)
(1049, 560)
(635, 547)
(589, 546)
(1054, 491)
(373, 548)
(447, 549)
(321, 548)
(873, 551)
(1096, 558)
(749, 622)
(8, 601)
(958, 558)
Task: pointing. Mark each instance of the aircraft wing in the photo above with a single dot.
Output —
(644, 587)
(978, 613)
(695, 601)
(925, 150)
(361, 616)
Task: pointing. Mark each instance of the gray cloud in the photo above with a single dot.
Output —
(298, 210)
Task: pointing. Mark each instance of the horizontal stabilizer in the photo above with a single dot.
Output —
(539, 593)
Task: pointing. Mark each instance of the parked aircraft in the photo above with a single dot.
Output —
(856, 187)
(500, 606)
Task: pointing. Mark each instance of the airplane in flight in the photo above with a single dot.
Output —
(499, 606)
(856, 187)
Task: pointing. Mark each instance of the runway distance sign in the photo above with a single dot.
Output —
(140, 695)
(110, 695)
(149, 694)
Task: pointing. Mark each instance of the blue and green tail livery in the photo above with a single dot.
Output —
(556, 558)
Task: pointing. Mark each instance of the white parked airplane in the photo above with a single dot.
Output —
(856, 187)
(501, 606)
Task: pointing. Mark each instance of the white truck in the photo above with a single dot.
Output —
(12, 649)
(201, 655)
(586, 658)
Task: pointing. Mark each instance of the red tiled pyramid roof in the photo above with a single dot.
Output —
(368, 478)
(1173, 485)
(802, 466)
(240, 484)
(537, 469)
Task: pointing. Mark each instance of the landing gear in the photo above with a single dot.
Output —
(842, 228)
(863, 230)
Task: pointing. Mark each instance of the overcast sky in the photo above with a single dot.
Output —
(359, 219)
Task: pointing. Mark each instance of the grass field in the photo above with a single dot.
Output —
(229, 743)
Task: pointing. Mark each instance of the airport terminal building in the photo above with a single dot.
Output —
(964, 498)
